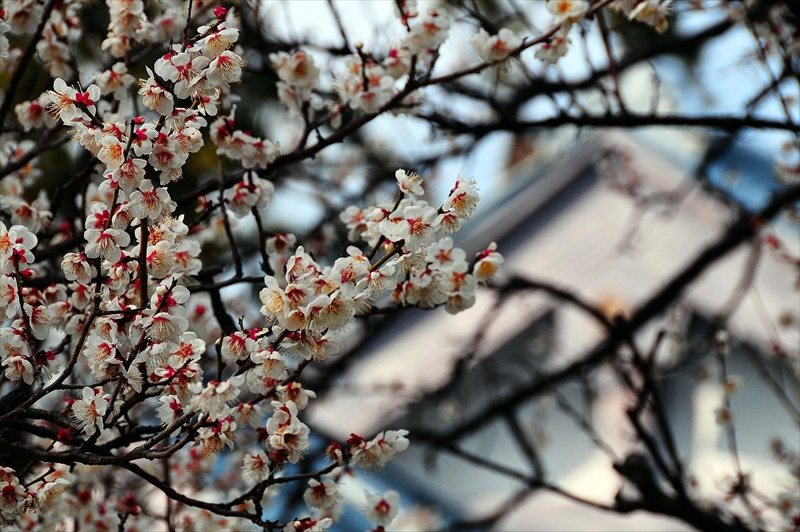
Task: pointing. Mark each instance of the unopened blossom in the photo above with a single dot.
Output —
(382, 509)
(308, 525)
(492, 48)
(89, 410)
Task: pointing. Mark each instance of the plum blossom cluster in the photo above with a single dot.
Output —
(27, 310)
(654, 13)
(130, 25)
(120, 307)
(365, 82)
(17, 499)
(251, 152)
(566, 14)
(62, 28)
(420, 266)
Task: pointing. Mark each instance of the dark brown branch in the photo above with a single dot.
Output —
(625, 120)
(741, 231)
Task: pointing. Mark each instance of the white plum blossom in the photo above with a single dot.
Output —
(256, 467)
(156, 97)
(382, 509)
(288, 436)
(492, 48)
(214, 398)
(224, 69)
(463, 198)
(297, 69)
(567, 11)
(105, 243)
(428, 32)
(488, 263)
(33, 114)
(410, 183)
(653, 12)
(89, 410)
(554, 49)
(115, 80)
(150, 202)
(322, 495)
(374, 454)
